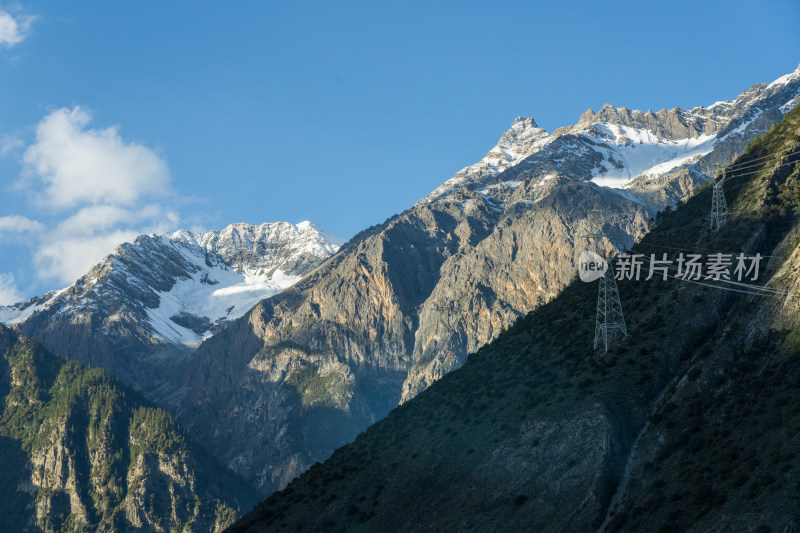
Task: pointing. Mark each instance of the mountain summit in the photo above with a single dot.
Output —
(643, 152)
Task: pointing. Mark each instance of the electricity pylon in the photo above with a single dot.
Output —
(719, 209)
(610, 319)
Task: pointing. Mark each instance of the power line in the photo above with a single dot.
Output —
(755, 290)
(760, 166)
(753, 160)
(705, 250)
(763, 167)
(610, 320)
(752, 293)
(719, 207)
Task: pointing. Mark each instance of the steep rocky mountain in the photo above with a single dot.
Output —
(691, 422)
(404, 302)
(141, 311)
(83, 452)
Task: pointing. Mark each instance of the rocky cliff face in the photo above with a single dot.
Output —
(403, 303)
(394, 312)
(141, 311)
(82, 452)
(688, 423)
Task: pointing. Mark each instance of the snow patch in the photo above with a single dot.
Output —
(791, 104)
(217, 294)
(641, 152)
(739, 129)
(786, 78)
(547, 177)
(18, 312)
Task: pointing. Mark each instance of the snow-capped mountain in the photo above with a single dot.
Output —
(261, 250)
(522, 139)
(231, 270)
(163, 294)
(631, 150)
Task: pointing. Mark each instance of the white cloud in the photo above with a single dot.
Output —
(16, 224)
(88, 219)
(68, 259)
(102, 189)
(79, 165)
(9, 144)
(8, 291)
(84, 239)
(14, 30)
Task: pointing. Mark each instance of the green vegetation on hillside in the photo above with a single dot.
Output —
(82, 452)
(329, 387)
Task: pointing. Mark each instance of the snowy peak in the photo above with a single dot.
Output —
(263, 249)
(19, 311)
(787, 78)
(519, 139)
(669, 124)
(182, 287)
(308, 227)
(780, 93)
(522, 139)
(620, 147)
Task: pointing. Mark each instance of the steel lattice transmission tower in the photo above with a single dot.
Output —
(719, 209)
(610, 319)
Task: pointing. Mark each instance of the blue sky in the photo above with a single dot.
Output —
(209, 113)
